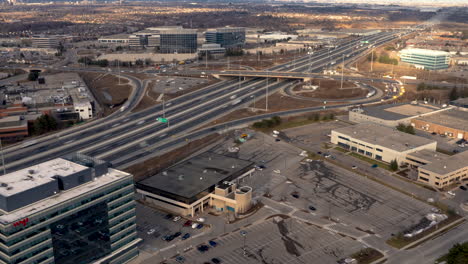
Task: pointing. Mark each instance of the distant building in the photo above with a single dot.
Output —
(206, 181)
(165, 39)
(13, 127)
(461, 103)
(392, 114)
(359, 32)
(452, 123)
(50, 42)
(380, 142)
(119, 39)
(227, 37)
(211, 50)
(68, 210)
(426, 59)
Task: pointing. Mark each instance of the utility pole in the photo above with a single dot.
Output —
(206, 59)
(266, 94)
(342, 72)
(118, 69)
(372, 60)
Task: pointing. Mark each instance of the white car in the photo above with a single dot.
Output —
(201, 220)
(194, 225)
(177, 218)
(151, 231)
(277, 171)
(451, 193)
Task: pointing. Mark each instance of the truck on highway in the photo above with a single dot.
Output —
(233, 97)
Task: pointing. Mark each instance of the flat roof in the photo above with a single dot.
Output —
(63, 196)
(425, 52)
(189, 178)
(42, 173)
(448, 164)
(398, 111)
(451, 118)
(428, 155)
(383, 136)
(460, 101)
(116, 36)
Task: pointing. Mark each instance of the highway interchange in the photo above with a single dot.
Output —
(127, 138)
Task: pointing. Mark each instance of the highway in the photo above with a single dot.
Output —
(133, 137)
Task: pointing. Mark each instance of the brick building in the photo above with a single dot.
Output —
(452, 123)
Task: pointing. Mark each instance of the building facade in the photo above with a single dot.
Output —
(452, 123)
(226, 37)
(178, 41)
(45, 42)
(68, 210)
(379, 142)
(426, 59)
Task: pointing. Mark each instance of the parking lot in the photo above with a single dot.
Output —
(276, 242)
(152, 226)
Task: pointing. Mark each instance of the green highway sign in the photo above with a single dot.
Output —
(162, 120)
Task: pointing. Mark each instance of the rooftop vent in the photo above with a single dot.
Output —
(205, 171)
(31, 171)
(181, 177)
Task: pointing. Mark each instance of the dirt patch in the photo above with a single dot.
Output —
(157, 164)
(280, 102)
(106, 90)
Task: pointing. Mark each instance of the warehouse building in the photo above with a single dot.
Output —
(452, 123)
(426, 59)
(379, 142)
(439, 170)
(46, 42)
(393, 114)
(205, 181)
(68, 210)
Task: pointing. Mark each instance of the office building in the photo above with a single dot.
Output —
(135, 41)
(226, 37)
(178, 41)
(119, 39)
(67, 210)
(379, 142)
(50, 42)
(211, 50)
(452, 123)
(426, 59)
(207, 181)
(392, 114)
(439, 170)
(13, 127)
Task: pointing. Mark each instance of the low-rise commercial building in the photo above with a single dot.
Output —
(380, 142)
(439, 170)
(426, 59)
(68, 210)
(119, 39)
(206, 181)
(13, 127)
(392, 114)
(211, 50)
(47, 42)
(452, 123)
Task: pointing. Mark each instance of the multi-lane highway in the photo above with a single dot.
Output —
(133, 137)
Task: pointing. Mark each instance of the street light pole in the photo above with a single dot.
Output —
(266, 95)
(244, 234)
(342, 72)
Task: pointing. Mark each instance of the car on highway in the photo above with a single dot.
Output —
(451, 193)
(354, 167)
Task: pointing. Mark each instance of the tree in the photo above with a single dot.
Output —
(44, 124)
(458, 254)
(394, 165)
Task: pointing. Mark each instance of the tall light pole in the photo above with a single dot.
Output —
(342, 72)
(266, 94)
(372, 59)
(243, 234)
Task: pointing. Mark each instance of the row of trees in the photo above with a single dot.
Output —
(318, 117)
(382, 58)
(268, 123)
(89, 61)
(43, 124)
(406, 128)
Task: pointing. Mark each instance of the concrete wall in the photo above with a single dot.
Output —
(156, 57)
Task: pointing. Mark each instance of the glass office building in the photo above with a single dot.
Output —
(72, 210)
(226, 37)
(178, 41)
(426, 59)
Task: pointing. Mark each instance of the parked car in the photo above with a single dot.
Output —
(212, 243)
(451, 193)
(199, 226)
(180, 259)
(295, 195)
(168, 216)
(201, 219)
(177, 234)
(374, 165)
(354, 167)
(151, 231)
(312, 208)
(277, 139)
(203, 248)
(194, 225)
(463, 188)
(188, 223)
(215, 260)
(177, 218)
(186, 236)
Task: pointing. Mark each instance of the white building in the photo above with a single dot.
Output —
(380, 142)
(85, 109)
